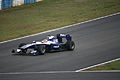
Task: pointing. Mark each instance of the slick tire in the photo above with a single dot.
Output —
(70, 45)
(42, 49)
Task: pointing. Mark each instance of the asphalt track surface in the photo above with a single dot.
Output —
(96, 42)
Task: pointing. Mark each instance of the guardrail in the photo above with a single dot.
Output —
(4, 4)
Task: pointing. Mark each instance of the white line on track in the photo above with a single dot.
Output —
(110, 71)
(97, 65)
(61, 28)
(76, 71)
(45, 72)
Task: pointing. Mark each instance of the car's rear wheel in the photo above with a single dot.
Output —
(70, 45)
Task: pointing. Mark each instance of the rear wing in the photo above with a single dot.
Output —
(67, 36)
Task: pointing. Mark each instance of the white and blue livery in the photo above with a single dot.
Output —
(59, 42)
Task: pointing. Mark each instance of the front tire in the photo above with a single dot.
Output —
(42, 49)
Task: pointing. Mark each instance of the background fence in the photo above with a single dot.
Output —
(11, 3)
(18, 2)
(0, 4)
(29, 1)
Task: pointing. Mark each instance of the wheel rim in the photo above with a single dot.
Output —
(43, 50)
(73, 46)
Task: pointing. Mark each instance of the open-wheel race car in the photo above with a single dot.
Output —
(59, 42)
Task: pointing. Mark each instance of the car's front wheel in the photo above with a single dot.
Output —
(42, 49)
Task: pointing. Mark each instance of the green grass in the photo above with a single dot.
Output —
(110, 66)
(50, 14)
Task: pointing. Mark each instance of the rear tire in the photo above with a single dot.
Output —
(70, 45)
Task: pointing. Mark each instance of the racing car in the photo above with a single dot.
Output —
(59, 42)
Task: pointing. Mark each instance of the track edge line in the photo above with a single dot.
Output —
(81, 70)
